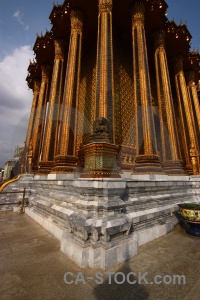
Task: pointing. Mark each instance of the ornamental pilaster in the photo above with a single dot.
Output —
(40, 115)
(59, 49)
(185, 109)
(36, 90)
(192, 92)
(66, 159)
(51, 130)
(104, 73)
(170, 148)
(147, 158)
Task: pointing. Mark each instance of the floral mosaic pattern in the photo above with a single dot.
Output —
(191, 215)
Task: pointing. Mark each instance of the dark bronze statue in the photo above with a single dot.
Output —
(101, 131)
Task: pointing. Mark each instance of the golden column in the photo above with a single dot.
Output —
(170, 148)
(40, 115)
(147, 158)
(192, 92)
(29, 136)
(66, 159)
(50, 137)
(189, 133)
(104, 75)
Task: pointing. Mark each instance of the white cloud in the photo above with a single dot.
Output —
(26, 28)
(15, 101)
(18, 16)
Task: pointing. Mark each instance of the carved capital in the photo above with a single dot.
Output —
(76, 20)
(137, 12)
(36, 85)
(105, 6)
(46, 71)
(190, 78)
(59, 49)
(159, 39)
(178, 64)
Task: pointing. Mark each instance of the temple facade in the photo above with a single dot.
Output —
(124, 62)
(113, 139)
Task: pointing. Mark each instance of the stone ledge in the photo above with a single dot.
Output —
(112, 254)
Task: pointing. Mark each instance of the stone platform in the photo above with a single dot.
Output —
(102, 222)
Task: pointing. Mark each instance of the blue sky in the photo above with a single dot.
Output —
(20, 21)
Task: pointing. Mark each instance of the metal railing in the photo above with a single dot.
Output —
(22, 211)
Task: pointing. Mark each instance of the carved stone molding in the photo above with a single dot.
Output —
(105, 6)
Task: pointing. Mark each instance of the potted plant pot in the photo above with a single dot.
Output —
(191, 213)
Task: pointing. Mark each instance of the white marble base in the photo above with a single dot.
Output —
(40, 177)
(100, 183)
(62, 176)
(27, 176)
(103, 257)
(47, 223)
(147, 235)
(157, 177)
(92, 209)
(96, 258)
(194, 178)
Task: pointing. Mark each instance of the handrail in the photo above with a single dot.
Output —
(9, 181)
(22, 211)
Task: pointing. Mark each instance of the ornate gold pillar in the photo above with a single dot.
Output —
(66, 159)
(56, 90)
(40, 115)
(147, 158)
(29, 135)
(104, 75)
(170, 150)
(185, 109)
(192, 92)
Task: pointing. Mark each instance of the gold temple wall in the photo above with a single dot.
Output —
(123, 79)
(86, 101)
(124, 128)
(124, 102)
